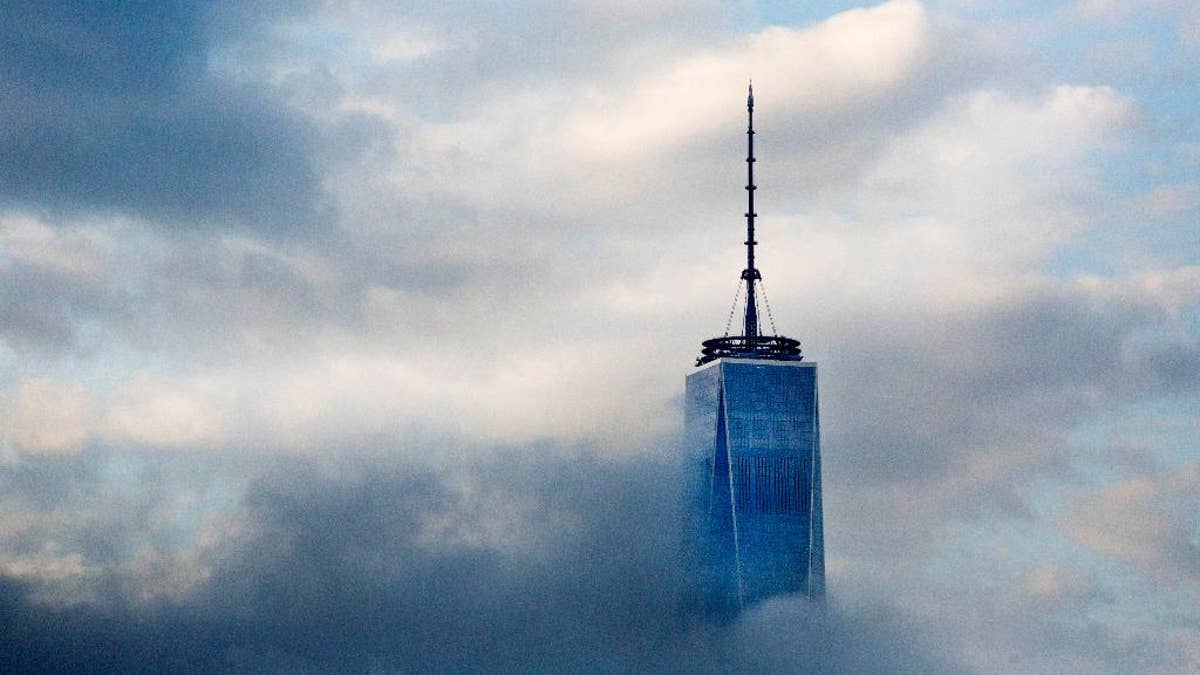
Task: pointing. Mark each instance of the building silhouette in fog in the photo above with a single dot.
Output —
(752, 507)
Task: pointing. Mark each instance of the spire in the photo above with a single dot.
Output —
(751, 273)
(751, 344)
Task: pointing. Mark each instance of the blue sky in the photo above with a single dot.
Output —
(352, 335)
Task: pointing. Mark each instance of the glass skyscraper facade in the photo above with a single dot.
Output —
(753, 524)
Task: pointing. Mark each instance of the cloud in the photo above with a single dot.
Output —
(1148, 521)
(332, 572)
(998, 175)
(405, 47)
(116, 110)
(819, 71)
(48, 417)
(1172, 200)
(146, 410)
(53, 277)
(1189, 29)
(1058, 584)
(1115, 9)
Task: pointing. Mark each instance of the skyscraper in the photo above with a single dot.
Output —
(752, 523)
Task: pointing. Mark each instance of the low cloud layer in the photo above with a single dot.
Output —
(514, 565)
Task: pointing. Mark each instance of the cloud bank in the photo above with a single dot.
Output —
(517, 565)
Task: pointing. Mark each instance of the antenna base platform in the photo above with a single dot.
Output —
(769, 347)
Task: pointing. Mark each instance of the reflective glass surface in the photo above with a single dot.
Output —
(753, 516)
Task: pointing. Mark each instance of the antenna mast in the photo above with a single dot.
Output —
(751, 344)
(751, 273)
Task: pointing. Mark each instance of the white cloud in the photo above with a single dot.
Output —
(1057, 583)
(1005, 172)
(855, 56)
(1148, 521)
(1171, 200)
(1189, 27)
(323, 400)
(1118, 9)
(154, 410)
(49, 417)
(405, 46)
(80, 251)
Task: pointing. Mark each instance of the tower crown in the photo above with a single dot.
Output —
(751, 344)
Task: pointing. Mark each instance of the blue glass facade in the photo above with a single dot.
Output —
(753, 524)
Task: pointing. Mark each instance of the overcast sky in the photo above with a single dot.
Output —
(352, 335)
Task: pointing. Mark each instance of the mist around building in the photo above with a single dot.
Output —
(353, 337)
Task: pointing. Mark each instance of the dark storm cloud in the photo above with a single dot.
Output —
(1171, 365)
(333, 574)
(932, 420)
(35, 308)
(114, 106)
(99, 506)
(49, 481)
(1012, 378)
